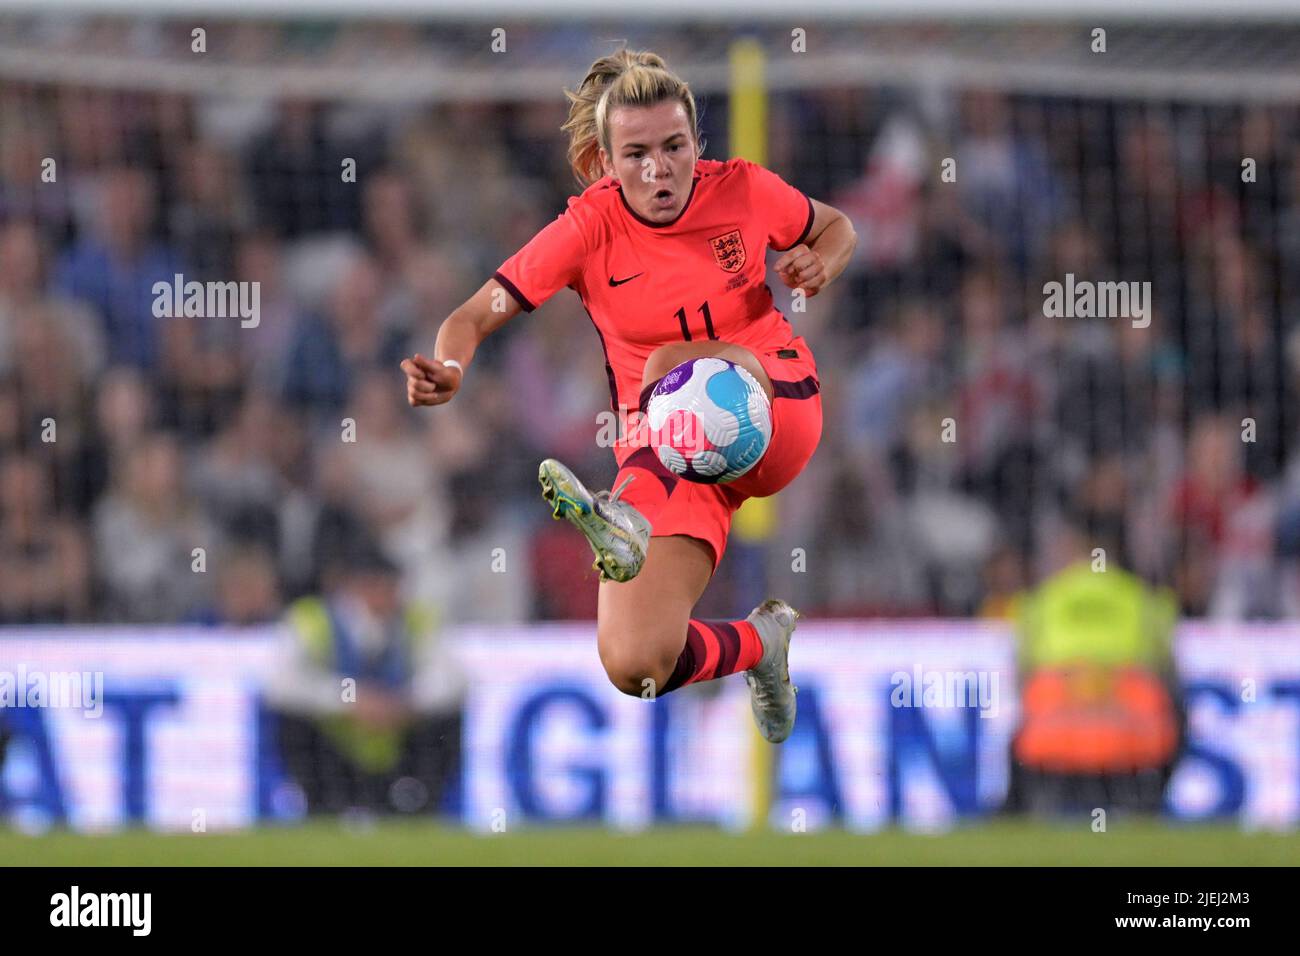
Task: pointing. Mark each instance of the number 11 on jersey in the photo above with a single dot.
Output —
(708, 321)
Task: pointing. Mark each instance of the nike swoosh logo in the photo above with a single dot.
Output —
(617, 282)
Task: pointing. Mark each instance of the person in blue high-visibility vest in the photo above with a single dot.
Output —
(367, 697)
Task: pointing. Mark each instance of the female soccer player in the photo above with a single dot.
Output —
(666, 251)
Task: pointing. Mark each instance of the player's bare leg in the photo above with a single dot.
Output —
(641, 624)
(644, 629)
(667, 357)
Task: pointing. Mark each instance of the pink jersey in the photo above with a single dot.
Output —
(648, 284)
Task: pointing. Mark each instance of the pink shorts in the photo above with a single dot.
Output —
(704, 511)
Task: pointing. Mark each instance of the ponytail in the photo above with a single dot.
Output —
(625, 78)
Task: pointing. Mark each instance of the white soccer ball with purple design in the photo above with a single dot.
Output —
(709, 420)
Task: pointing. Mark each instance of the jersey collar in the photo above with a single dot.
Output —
(658, 225)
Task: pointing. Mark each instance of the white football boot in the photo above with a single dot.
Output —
(616, 531)
(772, 696)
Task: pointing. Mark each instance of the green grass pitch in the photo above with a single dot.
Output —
(425, 844)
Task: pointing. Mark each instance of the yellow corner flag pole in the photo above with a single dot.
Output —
(748, 138)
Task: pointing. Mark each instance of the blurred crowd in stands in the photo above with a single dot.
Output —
(168, 469)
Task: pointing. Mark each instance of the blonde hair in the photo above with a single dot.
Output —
(624, 78)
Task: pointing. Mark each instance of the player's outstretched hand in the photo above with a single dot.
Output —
(802, 268)
(428, 381)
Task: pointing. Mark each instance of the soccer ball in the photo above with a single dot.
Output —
(709, 420)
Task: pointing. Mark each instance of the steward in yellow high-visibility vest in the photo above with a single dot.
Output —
(1106, 618)
(331, 647)
(1098, 688)
(367, 697)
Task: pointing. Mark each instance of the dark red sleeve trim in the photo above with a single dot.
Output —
(514, 291)
(807, 228)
